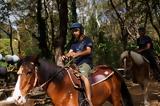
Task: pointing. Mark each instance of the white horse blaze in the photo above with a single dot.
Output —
(17, 96)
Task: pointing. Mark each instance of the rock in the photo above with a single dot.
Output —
(15, 58)
(1, 57)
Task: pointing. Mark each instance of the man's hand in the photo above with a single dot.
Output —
(70, 55)
(64, 57)
(74, 54)
(147, 47)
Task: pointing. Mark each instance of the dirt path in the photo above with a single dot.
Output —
(137, 94)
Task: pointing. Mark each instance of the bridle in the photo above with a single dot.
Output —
(36, 74)
(36, 78)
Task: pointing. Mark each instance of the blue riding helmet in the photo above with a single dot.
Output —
(77, 25)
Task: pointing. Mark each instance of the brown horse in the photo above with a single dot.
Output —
(63, 87)
(139, 68)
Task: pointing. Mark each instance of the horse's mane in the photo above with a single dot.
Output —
(51, 70)
(137, 58)
(46, 68)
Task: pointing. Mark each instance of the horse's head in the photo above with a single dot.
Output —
(126, 60)
(130, 59)
(27, 79)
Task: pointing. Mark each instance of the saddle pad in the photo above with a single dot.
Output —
(100, 75)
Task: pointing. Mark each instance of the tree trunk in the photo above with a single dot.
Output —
(151, 18)
(124, 31)
(42, 31)
(73, 11)
(10, 37)
(61, 40)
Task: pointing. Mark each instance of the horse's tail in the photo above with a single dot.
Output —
(127, 99)
(126, 96)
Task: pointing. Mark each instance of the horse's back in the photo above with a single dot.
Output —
(107, 86)
(100, 73)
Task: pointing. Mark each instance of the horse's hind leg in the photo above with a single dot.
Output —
(116, 99)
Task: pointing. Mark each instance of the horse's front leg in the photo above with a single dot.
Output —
(146, 103)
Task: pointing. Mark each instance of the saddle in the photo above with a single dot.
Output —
(99, 74)
(74, 75)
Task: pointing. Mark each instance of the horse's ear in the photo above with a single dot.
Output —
(35, 59)
(20, 61)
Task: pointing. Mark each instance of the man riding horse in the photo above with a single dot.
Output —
(81, 52)
(145, 45)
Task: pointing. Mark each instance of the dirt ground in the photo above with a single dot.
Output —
(137, 95)
(135, 91)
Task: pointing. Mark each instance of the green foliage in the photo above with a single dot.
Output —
(92, 27)
(29, 45)
(32, 50)
(4, 46)
(3, 64)
(157, 47)
(108, 52)
(132, 46)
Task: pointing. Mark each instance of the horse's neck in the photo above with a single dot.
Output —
(46, 69)
(137, 58)
(62, 90)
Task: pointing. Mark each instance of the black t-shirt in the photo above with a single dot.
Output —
(142, 41)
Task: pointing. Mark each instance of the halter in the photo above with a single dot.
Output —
(36, 75)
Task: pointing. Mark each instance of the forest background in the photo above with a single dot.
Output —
(42, 26)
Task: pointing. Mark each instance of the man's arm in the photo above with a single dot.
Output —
(147, 47)
(73, 54)
(87, 51)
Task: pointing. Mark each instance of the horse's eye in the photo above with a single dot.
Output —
(30, 72)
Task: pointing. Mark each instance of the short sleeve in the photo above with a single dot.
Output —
(73, 47)
(89, 43)
(148, 39)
